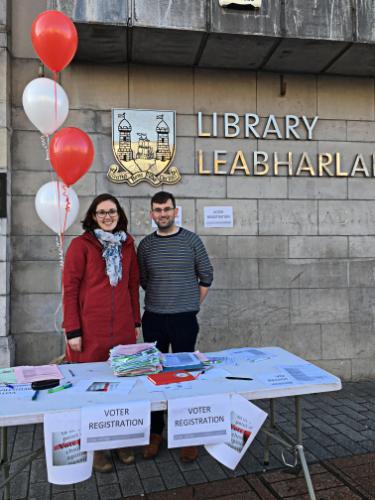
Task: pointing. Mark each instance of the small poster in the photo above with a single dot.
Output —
(66, 463)
(105, 427)
(218, 216)
(198, 420)
(246, 420)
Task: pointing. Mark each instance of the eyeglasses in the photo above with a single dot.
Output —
(166, 210)
(112, 212)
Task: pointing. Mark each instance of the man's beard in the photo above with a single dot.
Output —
(166, 226)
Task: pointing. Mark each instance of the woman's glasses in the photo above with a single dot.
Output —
(112, 212)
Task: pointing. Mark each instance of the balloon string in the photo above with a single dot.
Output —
(44, 139)
(55, 95)
(60, 252)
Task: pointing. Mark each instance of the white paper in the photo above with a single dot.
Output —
(105, 427)
(246, 420)
(276, 379)
(198, 420)
(178, 220)
(18, 391)
(218, 216)
(66, 463)
(306, 373)
(118, 386)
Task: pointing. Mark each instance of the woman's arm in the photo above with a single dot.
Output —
(74, 270)
(134, 288)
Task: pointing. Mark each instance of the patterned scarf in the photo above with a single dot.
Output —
(112, 243)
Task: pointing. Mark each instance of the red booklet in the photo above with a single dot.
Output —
(174, 377)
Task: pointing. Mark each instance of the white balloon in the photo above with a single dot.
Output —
(44, 106)
(57, 206)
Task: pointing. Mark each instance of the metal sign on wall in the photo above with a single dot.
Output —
(144, 145)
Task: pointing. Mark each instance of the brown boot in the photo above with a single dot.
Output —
(102, 462)
(152, 449)
(126, 455)
(188, 454)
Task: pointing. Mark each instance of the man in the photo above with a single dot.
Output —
(175, 272)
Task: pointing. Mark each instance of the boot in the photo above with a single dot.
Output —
(102, 462)
(126, 455)
(152, 449)
(188, 454)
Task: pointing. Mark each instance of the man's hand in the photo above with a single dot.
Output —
(203, 291)
(75, 344)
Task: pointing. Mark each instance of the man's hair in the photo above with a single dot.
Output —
(89, 224)
(162, 197)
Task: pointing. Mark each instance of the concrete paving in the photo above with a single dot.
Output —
(339, 440)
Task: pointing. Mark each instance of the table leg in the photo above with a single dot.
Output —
(4, 460)
(271, 425)
(300, 450)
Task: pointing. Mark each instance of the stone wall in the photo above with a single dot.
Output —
(6, 342)
(297, 268)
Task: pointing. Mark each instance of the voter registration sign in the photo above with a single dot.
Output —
(104, 427)
(199, 420)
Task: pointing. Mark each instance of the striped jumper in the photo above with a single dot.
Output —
(171, 270)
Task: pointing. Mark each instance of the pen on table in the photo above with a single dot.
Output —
(238, 378)
(35, 395)
(71, 372)
(60, 387)
(200, 373)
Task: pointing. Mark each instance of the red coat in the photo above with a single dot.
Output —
(106, 315)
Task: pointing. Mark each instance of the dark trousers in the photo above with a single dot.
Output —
(176, 330)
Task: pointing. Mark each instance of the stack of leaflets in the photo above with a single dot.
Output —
(135, 359)
(183, 361)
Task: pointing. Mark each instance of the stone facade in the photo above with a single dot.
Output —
(297, 268)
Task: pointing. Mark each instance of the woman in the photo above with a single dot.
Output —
(101, 293)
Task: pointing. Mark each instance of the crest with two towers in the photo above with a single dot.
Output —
(144, 145)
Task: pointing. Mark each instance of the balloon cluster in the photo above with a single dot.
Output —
(70, 150)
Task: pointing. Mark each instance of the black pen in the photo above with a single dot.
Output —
(35, 395)
(238, 378)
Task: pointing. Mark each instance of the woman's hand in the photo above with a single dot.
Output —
(137, 332)
(75, 344)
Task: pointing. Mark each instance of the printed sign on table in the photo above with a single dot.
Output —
(246, 420)
(66, 463)
(198, 420)
(105, 427)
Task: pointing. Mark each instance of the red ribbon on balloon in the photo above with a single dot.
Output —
(54, 38)
(71, 153)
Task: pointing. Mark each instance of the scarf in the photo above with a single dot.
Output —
(112, 243)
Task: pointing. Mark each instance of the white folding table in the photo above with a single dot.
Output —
(266, 383)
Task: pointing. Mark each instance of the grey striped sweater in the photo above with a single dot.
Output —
(172, 268)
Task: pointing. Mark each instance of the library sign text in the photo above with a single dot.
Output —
(259, 163)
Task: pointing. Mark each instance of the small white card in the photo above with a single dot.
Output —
(218, 216)
(105, 427)
(198, 420)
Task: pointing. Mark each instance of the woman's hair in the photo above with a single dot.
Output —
(89, 224)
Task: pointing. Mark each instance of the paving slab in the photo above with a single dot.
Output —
(339, 441)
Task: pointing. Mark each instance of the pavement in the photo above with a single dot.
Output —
(339, 441)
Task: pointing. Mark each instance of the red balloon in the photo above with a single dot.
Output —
(54, 38)
(71, 152)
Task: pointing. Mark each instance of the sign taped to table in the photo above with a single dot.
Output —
(198, 420)
(105, 427)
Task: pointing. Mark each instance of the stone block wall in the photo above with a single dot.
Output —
(6, 341)
(297, 268)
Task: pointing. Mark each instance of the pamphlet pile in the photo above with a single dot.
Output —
(135, 359)
(183, 361)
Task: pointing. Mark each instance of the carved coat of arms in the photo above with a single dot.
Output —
(144, 145)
